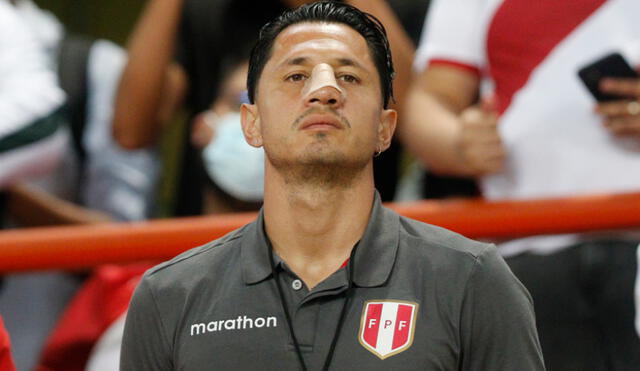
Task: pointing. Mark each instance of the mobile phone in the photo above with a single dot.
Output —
(611, 65)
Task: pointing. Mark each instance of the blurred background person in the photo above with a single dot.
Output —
(31, 121)
(95, 180)
(234, 169)
(498, 98)
(96, 173)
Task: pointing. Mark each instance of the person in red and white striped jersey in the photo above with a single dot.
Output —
(537, 132)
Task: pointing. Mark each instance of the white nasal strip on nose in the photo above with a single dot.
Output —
(322, 76)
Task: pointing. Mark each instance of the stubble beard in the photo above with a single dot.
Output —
(319, 166)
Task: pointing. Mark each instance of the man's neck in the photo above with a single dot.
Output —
(313, 229)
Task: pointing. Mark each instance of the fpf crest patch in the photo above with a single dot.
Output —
(387, 326)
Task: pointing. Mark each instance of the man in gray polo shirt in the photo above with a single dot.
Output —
(326, 277)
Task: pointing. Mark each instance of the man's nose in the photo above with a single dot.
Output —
(322, 87)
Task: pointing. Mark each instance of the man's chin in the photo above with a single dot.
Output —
(323, 158)
(320, 168)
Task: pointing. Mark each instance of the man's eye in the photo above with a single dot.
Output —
(348, 78)
(296, 77)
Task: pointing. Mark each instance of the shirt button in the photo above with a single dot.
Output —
(296, 285)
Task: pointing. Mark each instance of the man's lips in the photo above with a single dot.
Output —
(321, 122)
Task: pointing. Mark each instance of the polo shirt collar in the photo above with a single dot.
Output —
(378, 246)
(374, 258)
(254, 252)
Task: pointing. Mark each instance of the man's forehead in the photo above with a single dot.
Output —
(324, 29)
(310, 37)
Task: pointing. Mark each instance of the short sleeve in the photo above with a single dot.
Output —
(453, 32)
(145, 345)
(498, 330)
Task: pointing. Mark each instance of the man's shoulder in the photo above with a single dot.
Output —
(433, 240)
(200, 260)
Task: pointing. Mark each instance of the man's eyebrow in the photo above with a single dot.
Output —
(297, 61)
(349, 62)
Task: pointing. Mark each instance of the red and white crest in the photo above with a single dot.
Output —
(387, 326)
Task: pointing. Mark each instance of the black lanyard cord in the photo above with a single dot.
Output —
(343, 312)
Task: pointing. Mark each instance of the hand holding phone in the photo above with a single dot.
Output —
(616, 86)
(610, 66)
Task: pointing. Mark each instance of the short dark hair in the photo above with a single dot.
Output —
(331, 12)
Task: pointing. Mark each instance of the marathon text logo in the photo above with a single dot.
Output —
(240, 323)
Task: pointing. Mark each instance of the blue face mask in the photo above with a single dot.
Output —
(235, 166)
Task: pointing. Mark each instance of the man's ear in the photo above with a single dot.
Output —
(388, 121)
(250, 119)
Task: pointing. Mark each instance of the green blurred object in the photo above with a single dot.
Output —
(171, 147)
(112, 19)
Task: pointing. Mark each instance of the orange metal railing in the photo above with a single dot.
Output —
(79, 247)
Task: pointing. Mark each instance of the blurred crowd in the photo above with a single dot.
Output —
(490, 105)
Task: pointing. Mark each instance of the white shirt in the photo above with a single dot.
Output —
(28, 92)
(28, 88)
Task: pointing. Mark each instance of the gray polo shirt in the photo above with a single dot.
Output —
(424, 298)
